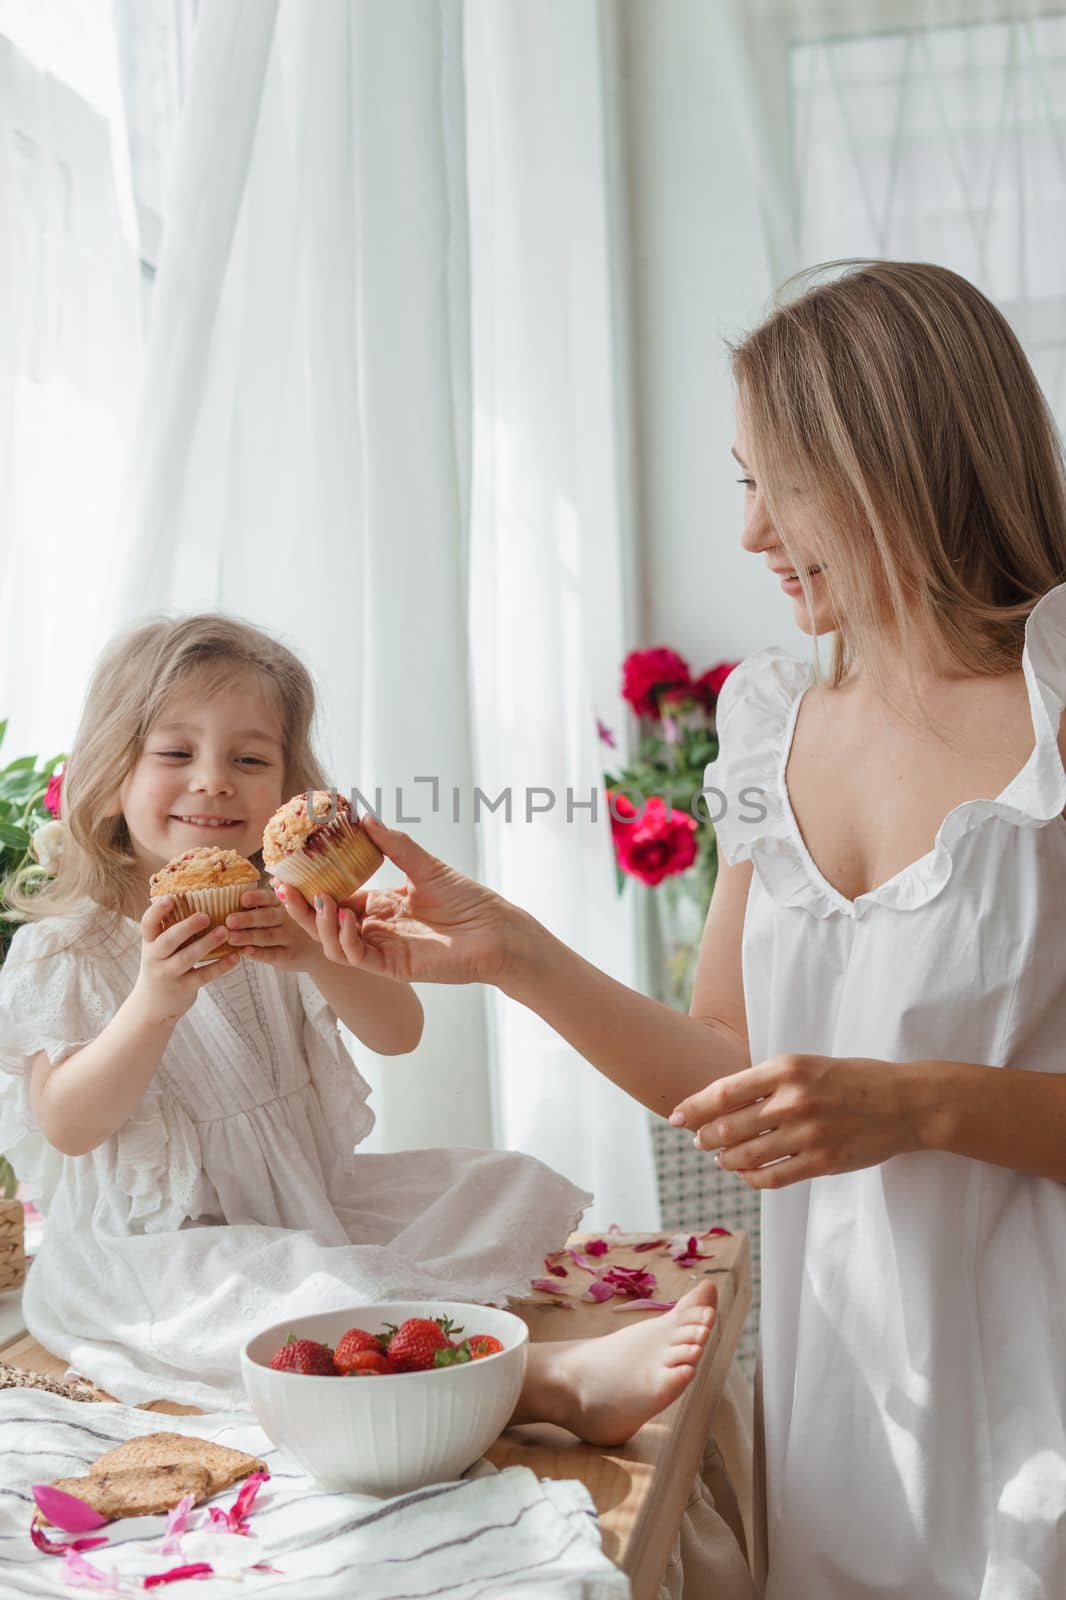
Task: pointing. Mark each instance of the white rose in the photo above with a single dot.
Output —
(46, 846)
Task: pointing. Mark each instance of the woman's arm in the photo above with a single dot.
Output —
(444, 928)
(795, 1117)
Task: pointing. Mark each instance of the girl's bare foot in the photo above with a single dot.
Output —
(605, 1389)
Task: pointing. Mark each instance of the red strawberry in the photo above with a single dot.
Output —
(355, 1342)
(368, 1364)
(483, 1344)
(413, 1345)
(305, 1355)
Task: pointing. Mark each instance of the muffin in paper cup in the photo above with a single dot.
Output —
(205, 880)
(316, 843)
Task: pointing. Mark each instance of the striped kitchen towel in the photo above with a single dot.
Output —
(492, 1534)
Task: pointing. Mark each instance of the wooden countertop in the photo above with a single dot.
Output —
(641, 1489)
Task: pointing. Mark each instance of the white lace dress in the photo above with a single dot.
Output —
(913, 1366)
(232, 1198)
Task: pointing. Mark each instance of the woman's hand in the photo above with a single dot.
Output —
(439, 928)
(795, 1117)
(169, 981)
(264, 933)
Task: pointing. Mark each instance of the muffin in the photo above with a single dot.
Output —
(207, 879)
(322, 851)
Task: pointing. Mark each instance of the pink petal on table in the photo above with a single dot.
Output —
(81, 1574)
(583, 1261)
(66, 1511)
(59, 1547)
(645, 1305)
(596, 1247)
(552, 1266)
(649, 1244)
(600, 1291)
(631, 1281)
(550, 1286)
(713, 1233)
(177, 1523)
(196, 1569)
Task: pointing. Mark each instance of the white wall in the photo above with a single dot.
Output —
(699, 273)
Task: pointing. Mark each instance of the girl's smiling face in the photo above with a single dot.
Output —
(211, 772)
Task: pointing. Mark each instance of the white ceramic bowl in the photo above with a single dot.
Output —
(385, 1435)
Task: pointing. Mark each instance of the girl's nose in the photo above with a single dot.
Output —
(208, 780)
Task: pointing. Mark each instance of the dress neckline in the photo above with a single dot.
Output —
(1042, 761)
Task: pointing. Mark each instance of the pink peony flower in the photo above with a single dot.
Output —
(53, 795)
(709, 685)
(646, 673)
(655, 846)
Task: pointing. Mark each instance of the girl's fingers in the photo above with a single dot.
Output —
(258, 897)
(200, 949)
(250, 938)
(770, 1147)
(271, 916)
(328, 931)
(297, 908)
(170, 940)
(156, 917)
(356, 952)
(215, 969)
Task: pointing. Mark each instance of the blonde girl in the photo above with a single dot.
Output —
(190, 1129)
(877, 1039)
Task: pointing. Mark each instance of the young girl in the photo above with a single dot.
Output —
(190, 1129)
(880, 1006)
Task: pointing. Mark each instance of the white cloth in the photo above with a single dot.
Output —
(231, 1198)
(913, 1371)
(504, 1533)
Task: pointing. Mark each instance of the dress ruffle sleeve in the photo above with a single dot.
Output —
(334, 1073)
(747, 791)
(47, 1003)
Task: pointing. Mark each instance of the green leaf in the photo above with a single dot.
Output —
(17, 838)
(21, 764)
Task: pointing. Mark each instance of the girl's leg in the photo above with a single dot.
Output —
(605, 1389)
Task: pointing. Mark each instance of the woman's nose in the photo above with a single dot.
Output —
(758, 532)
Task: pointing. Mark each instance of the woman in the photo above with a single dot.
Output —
(878, 1030)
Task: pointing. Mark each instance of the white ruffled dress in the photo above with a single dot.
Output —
(913, 1368)
(233, 1198)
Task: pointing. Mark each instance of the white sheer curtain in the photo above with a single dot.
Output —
(304, 453)
(70, 348)
(552, 542)
(302, 458)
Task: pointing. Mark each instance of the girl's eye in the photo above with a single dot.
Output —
(175, 753)
(749, 483)
(254, 761)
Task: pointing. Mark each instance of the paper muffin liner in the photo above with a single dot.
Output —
(218, 904)
(341, 857)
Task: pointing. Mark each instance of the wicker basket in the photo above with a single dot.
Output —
(12, 1251)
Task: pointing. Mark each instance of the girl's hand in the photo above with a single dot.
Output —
(795, 1117)
(439, 928)
(264, 933)
(168, 981)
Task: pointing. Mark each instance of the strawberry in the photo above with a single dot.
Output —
(355, 1342)
(483, 1344)
(368, 1364)
(304, 1355)
(413, 1345)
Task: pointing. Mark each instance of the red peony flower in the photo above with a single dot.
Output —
(709, 686)
(53, 794)
(660, 844)
(645, 673)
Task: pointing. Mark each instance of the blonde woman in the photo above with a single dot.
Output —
(191, 1130)
(877, 1038)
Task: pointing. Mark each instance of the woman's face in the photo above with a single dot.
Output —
(760, 537)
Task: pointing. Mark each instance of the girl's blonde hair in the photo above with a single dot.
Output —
(134, 680)
(897, 402)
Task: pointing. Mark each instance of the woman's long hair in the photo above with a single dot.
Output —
(894, 407)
